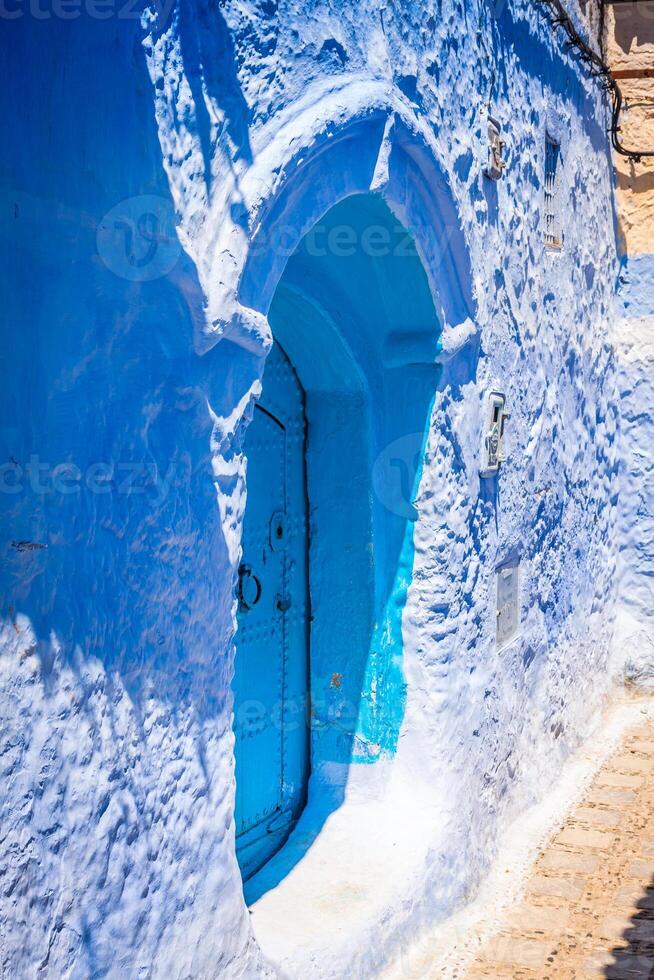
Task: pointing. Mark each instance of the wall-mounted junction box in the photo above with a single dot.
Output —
(508, 603)
(493, 452)
(496, 162)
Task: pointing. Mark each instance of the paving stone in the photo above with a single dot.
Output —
(631, 763)
(569, 888)
(596, 963)
(604, 818)
(535, 918)
(558, 859)
(643, 869)
(518, 952)
(610, 778)
(615, 927)
(483, 971)
(610, 797)
(580, 837)
(634, 897)
(590, 907)
(644, 745)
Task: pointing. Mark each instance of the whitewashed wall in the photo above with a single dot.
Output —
(117, 793)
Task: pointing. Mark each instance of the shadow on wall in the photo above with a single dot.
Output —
(354, 313)
(209, 61)
(634, 24)
(538, 58)
(117, 578)
(112, 410)
(636, 183)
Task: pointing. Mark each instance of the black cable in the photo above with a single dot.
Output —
(558, 17)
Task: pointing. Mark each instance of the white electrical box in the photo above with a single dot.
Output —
(508, 603)
(496, 162)
(493, 451)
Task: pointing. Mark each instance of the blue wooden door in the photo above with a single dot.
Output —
(271, 670)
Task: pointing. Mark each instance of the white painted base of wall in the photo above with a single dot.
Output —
(349, 892)
(341, 908)
(633, 644)
(453, 944)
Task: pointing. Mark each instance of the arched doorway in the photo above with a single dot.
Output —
(377, 341)
(271, 693)
(356, 340)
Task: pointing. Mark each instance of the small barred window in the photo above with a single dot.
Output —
(553, 231)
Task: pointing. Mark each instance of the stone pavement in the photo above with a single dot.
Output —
(588, 907)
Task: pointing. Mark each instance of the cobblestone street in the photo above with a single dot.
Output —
(588, 907)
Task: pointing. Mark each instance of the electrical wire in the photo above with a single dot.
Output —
(558, 17)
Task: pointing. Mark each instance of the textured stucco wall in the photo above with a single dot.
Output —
(632, 335)
(116, 822)
(629, 49)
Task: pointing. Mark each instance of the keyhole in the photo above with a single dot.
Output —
(277, 531)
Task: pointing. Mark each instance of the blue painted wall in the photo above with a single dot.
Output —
(144, 159)
(635, 355)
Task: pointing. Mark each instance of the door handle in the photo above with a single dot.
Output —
(249, 587)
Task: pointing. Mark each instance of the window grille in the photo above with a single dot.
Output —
(553, 232)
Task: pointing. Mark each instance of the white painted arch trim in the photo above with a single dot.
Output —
(300, 172)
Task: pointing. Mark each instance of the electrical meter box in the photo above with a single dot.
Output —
(496, 144)
(493, 451)
(508, 603)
